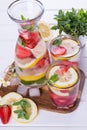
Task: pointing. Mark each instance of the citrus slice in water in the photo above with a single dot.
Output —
(31, 111)
(33, 77)
(45, 31)
(72, 48)
(38, 52)
(65, 80)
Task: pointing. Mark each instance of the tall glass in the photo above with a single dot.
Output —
(65, 47)
(63, 84)
(31, 53)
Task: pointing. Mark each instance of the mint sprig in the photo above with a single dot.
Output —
(22, 113)
(27, 27)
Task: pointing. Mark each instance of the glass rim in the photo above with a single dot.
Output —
(64, 37)
(25, 21)
(62, 88)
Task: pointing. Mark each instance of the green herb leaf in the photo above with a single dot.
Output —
(22, 114)
(40, 81)
(27, 27)
(26, 116)
(16, 103)
(23, 43)
(30, 27)
(23, 18)
(54, 78)
(57, 42)
(22, 103)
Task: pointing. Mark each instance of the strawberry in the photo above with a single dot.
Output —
(58, 50)
(30, 38)
(64, 69)
(41, 63)
(5, 113)
(22, 52)
(68, 63)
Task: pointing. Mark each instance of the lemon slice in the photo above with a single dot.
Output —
(10, 98)
(39, 51)
(71, 46)
(45, 31)
(31, 110)
(32, 77)
(67, 80)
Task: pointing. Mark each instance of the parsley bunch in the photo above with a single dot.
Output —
(72, 22)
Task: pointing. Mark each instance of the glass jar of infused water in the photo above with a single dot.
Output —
(31, 53)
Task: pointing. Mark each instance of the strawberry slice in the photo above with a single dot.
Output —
(68, 63)
(58, 50)
(5, 113)
(41, 63)
(64, 69)
(30, 38)
(22, 52)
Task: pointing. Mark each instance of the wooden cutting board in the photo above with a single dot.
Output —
(44, 101)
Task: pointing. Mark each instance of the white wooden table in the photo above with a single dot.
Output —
(76, 120)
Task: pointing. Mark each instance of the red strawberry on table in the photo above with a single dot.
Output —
(58, 50)
(5, 113)
(22, 52)
(30, 38)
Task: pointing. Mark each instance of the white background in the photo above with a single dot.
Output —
(76, 120)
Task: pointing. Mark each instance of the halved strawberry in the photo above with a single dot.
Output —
(5, 113)
(30, 38)
(22, 52)
(58, 50)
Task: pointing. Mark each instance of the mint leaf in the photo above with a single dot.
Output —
(26, 116)
(23, 18)
(40, 81)
(24, 104)
(30, 28)
(57, 42)
(54, 78)
(23, 43)
(16, 103)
